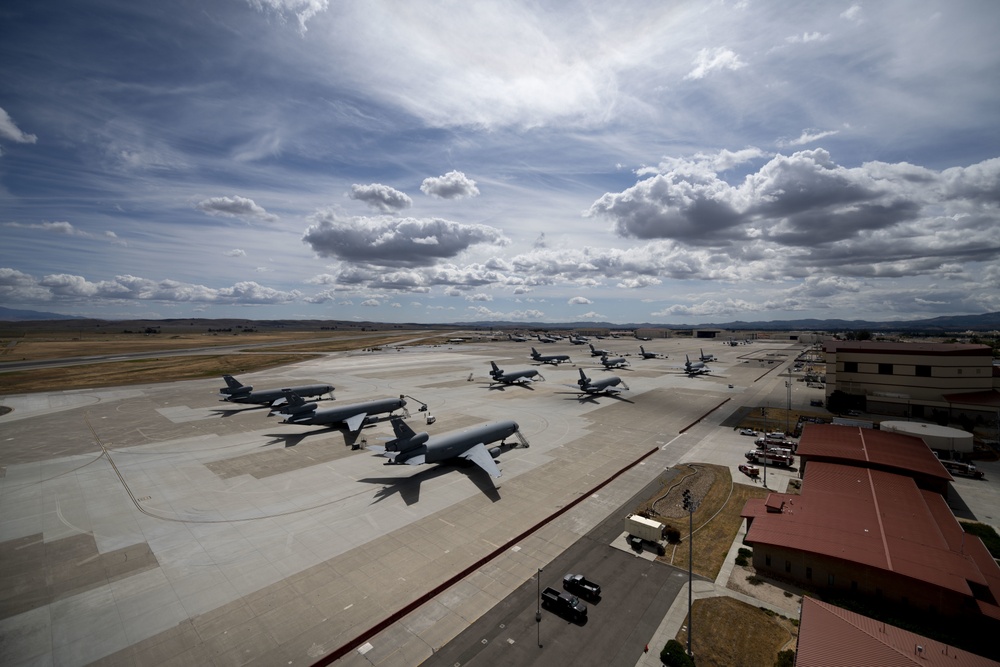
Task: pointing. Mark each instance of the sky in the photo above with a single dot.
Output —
(540, 162)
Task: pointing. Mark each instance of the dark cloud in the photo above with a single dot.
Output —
(382, 198)
(406, 242)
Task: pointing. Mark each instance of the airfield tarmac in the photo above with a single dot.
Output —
(155, 525)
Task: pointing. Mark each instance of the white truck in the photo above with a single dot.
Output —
(639, 530)
(770, 457)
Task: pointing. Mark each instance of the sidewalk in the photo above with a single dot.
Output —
(677, 615)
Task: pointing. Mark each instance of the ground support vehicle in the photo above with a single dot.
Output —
(564, 604)
(770, 458)
(579, 584)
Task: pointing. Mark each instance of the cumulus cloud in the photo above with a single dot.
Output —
(382, 198)
(10, 131)
(453, 185)
(18, 286)
(405, 242)
(803, 213)
(579, 301)
(236, 252)
(808, 137)
(236, 207)
(711, 60)
(66, 229)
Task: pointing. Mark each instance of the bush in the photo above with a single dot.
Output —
(674, 655)
(754, 580)
(741, 560)
(673, 535)
(786, 658)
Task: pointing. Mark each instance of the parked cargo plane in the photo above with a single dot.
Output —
(617, 362)
(353, 415)
(517, 338)
(469, 444)
(604, 386)
(554, 359)
(695, 367)
(705, 357)
(650, 355)
(594, 352)
(237, 392)
(516, 377)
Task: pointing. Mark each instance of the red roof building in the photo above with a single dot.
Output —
(873, 533)
(897, 453)
(832, 637)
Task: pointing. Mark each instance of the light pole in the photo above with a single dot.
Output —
(788, 384)
(689, 507)
(538, 609)
(763, 412)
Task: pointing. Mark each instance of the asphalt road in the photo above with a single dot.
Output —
(636, 595)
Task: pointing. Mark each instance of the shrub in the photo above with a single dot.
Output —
(741, 560)
(786, 658)
(673, 535)
(674, 655)
(754, 580)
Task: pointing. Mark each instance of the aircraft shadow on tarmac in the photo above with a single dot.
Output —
(232, 412)
(592, 398)
(292, 439)
(408, 488)
(501, 387)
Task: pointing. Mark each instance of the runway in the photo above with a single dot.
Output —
(154, 525)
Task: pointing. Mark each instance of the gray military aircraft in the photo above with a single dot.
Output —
(650, 355)
(237, 392)
(617, 362)
(693, 368)
(705, 357)
(470, 444)
(354, 415)
(604, 386)
(545, 339)
(594, 352)
(554, 359)
(579, 340)
(516, 377)
(517, 338)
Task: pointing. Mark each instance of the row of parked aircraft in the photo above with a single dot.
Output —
(408, 447)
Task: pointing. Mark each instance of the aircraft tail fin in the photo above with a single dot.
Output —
(534, 352)
(232, 382)
(496, 371)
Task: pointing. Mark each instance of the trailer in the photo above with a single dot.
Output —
(640, 530)
(771, 458)
(964, 469)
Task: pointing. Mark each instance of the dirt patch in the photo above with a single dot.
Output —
(728, 633)
(716, 520)
(780, 594)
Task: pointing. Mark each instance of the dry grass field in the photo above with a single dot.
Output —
(730, 633)
(49, 345)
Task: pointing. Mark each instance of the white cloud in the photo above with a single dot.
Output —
(807, 37)
(10, 131)
(236, 207)
(453, 185)
(808, 137)
(236, 252)
(302, 10)
(712, 60)
(579, 301)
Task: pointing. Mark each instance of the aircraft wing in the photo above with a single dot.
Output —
(478, 455)
(420, 459)
(355, 422)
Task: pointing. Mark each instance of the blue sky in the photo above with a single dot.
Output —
(666, 162)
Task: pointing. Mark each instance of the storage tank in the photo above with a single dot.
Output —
(939, 438)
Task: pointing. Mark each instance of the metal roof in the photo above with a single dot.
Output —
(877, 519)
(832, 637)
(885, 449)
(872, 347)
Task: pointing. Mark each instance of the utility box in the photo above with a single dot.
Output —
(643, 528)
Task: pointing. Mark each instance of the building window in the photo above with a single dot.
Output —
(923, 371)
(809, 573)
(850, 367)
(829, 579)
(788, 566)
(885, 369)
(854, 586)
(767, 560)
(959, 371)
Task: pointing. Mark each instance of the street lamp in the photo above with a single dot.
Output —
(538, 610)
(689, 507)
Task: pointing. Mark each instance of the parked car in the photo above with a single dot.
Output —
(564, 604)
(749, 470)
(748, 431)
(579, 584)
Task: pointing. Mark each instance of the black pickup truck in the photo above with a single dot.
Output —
(564, 604)
(579, 584)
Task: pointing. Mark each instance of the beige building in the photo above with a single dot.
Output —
(939, 381)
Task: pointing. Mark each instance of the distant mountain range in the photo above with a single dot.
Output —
(950, 323)
(12, 315)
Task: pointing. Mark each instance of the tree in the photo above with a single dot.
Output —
(674, 655)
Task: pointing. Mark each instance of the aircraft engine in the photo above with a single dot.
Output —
(495, 452)
(406, 445)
